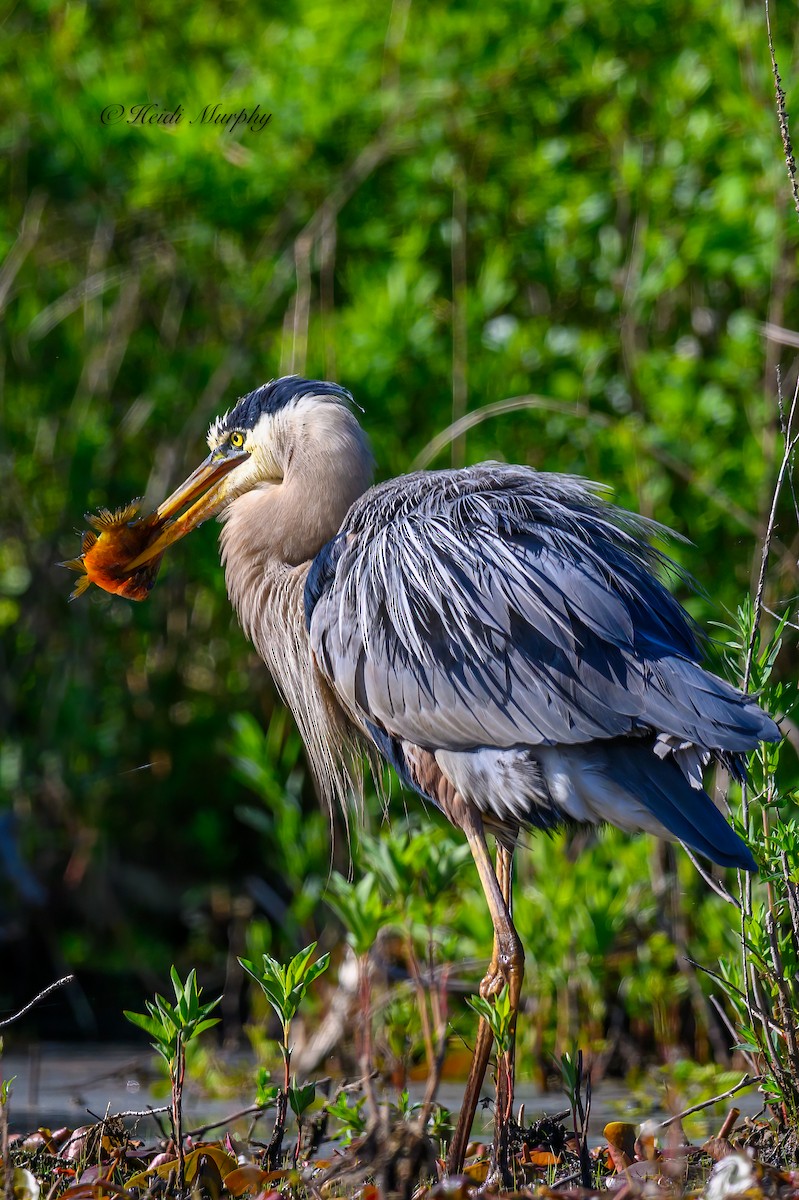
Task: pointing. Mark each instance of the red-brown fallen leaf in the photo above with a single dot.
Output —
(621, 1143)
(245, 1178)
(453, 1187)
(94, 1191)
(224, 1161)
(38, 1140)
(74, 1147)
(158, 1160)
(649, 1172)
(718, 1148)
(60, 1137)
(477, 1171)
(539, 1158)
(645, 1147)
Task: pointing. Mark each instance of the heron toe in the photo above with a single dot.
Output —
(504, 972)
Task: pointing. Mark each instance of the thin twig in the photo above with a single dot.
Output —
(712, 883)
(434, 1078)
(243, 1112)
(131, 1112)
(730, 987)
(581, 412)
(566, 1179)
(791, 441)
(783, 995)
(776, 333)
(732, 1031)
(26, 240)
(747, 1081)
(36, 1000)
(459, 312)
(782, 115)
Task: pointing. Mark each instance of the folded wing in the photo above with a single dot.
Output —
(496, 606)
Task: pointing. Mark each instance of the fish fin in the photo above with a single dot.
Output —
(105, 519)
(102, 519)
(80, 587)
(123, 515)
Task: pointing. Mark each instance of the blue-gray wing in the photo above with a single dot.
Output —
(495, 606)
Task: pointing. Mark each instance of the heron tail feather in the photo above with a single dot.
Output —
(686, 812)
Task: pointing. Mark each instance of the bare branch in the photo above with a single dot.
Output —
(747, 1081)
(36, 1000)
(791, 440)
(714, 884)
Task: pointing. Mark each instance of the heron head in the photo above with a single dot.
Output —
(253, 445)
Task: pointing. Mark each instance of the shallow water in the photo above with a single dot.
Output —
(61, 1084)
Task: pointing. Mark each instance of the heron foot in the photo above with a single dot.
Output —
(506, 968)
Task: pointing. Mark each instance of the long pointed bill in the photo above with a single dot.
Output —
(201, 492)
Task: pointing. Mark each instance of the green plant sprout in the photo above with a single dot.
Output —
(762, 984)
(266, 1092)
(350, 1115)
(172, 1027)
(499, 1015)
(285, 987)
(269, 762)
(418, 869)
(500, 1018)
(570, 1066)
(361, 910)
(363, 913)
(5, 1096)
(300, 1099)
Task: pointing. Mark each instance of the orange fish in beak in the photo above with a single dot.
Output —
(107, 553)
(123, 556)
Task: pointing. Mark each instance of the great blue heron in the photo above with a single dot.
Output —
(498, 635)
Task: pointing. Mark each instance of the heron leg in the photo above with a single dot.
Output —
(506, 967)
(506, 1065)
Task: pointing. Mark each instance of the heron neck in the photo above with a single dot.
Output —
(270, 537)
(268, 596)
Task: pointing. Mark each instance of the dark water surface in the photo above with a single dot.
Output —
(59, 1084)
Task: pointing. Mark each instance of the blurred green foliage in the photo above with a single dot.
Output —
(451, 205)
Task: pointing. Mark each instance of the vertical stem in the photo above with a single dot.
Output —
(8, 1185)
(275, 1147)
(421, 1000)
(503, 1111)
(327, 275)
(177, 1111)
(782, 115)
(365, 1038)
(302, 303)
(790, 437)
(459, 316)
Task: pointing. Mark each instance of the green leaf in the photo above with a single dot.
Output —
(148, 1024)
(301, 1097)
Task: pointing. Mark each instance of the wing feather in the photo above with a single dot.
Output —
(498, 606)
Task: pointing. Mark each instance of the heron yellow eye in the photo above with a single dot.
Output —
(237, 439)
